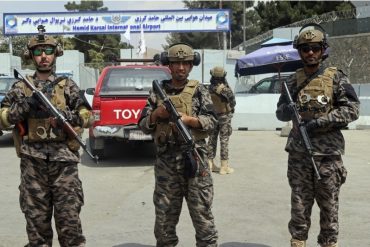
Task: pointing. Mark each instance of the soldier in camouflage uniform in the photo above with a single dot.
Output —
(326, 102)
(224, 104)
(193, 102)
(49, 174)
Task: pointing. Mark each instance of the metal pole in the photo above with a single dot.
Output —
(224, 40)
(202, 65)
(10, 45)
(244, 31)
(230, 41)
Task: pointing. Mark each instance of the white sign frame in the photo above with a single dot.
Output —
(105, 22)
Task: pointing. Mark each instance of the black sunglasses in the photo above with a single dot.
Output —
(39, 51)
(308, 48)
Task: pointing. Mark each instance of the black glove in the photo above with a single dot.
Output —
(311, 125)
(72, 117)
(290, 109)
(34, 103)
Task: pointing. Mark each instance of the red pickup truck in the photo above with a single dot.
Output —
(118, 99)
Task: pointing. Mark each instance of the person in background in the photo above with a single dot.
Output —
(224, 103)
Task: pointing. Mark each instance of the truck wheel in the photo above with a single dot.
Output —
(97, 146)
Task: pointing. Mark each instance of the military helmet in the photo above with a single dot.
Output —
(316, 34)
(41, 39)
(310, 36)
(218, 72)
(180, 52)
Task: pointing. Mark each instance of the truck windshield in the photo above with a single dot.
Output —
(132, 79)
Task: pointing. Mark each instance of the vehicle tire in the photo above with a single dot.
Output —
(96, 151)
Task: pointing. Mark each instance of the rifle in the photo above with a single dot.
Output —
(191, 153)
(55, 113)
(302, 129)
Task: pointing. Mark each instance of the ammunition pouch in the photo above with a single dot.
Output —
(41, 130)
(163, 133)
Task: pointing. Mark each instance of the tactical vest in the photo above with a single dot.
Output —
(219, 105)
(40, 128)
(165, 132)
(316, 98)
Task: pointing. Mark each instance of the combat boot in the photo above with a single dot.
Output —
(212, 166)
(330, 245)
(297, 243)
(225, 168)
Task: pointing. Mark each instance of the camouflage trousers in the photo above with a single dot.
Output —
(46, 187)
(171, 187)
(305, 189)
(224, 130)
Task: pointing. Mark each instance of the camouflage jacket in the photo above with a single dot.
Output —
(202, 108)
(15, 101)
(345, 110)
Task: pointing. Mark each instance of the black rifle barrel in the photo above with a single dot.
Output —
(55, 113)
(302, 130)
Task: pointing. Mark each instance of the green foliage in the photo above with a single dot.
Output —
(97, 59)
(275, 14)
(106, 44)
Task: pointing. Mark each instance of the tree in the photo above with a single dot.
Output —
(106, 44)
(275, 14)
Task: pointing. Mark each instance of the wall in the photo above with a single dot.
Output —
(70, 61)
(73, 61)
(8, 63)
(352, 55)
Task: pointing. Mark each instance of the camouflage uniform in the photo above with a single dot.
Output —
(328, 145)
(49, 157)
(171, 185)
(49, 172)
(224, 122)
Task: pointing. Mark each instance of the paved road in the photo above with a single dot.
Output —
(251, 207)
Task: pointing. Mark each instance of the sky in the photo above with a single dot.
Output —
(152, 40)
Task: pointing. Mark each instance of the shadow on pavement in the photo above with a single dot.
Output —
(133, 245)
(229, 244)
(237, 244)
